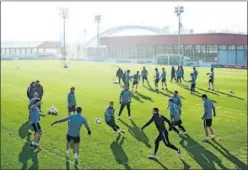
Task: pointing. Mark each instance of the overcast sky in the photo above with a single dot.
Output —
(40, 21)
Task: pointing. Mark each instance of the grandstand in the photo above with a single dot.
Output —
(30, 50)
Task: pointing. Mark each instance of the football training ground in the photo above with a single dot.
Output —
(103, 149)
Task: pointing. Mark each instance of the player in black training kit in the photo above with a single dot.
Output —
(163, 133)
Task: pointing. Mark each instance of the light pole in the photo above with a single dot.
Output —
(63, 12)
(97, 19)
(179, 10)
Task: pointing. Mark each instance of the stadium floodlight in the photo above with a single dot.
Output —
(63, 12)
(97, 20)
(179, 10)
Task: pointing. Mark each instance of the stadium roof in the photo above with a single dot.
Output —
(44, 44)
(185, 39)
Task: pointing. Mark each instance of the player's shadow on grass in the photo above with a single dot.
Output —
(164, 94)
(208, 91)
(26, 154)
(23, 130)
(144, 97)
(135, 131)
(149, 88)
(136, 97)
(162, 165)
(187, 88)
(239, 164)
(229, 95)
(119, 153)
(203, 157)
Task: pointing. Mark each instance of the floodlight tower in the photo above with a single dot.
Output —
(97, 20)
(179, 10)
(63, 12)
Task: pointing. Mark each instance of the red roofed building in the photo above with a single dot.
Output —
(222, 48)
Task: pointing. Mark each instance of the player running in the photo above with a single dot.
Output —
(175, 115)
(144, 75)
(193, 83)
(163, 77)
(195, 72)
(31, 102)
(109, 118)
(71, 100)
(125, 100)
(73, 133)
(157, 77)
(177, 100)
(136, 79)
(163, 133)
(211, 79)
(207, 116)
(35, 118)
(119, 74)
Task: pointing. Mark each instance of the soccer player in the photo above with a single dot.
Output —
(31, 102)
(35, 117)
(163, 77)
(176, 117)
(71, 100)
(127, 77)
(195, 72)
(31, 90)
(182, 72)
(136, 79)
(109, 118)
(159, 120)
(173, 73)
(119, 74)
(157, 77)
(73, 133)
(193, 82)
(179, 75)
(177, 100)
(144, 74)
(211, 79)
(39, 90)
(125, 100)
(207, 116)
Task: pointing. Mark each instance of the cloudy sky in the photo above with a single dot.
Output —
(40, 21)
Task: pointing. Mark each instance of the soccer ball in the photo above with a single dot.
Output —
(230, 91)
(98, 120)
(52, 110)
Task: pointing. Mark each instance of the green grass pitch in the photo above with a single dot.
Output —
(94, 89)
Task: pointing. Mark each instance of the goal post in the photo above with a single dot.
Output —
(168, 59)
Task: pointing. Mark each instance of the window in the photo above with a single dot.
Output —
(240, 47)
(231, 47)
(222, 47)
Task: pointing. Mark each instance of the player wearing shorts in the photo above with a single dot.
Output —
(176, 117)
(35, 118)
(163, 77)
(159, 120)
(157, 77)
(207, 116)
(144, 75)
(109, 118)
(73, 133)
(71, 101)
(136, 79)
(211, 79)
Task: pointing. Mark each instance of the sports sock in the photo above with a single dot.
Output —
(76, 156)
(206, 138)
(212, 136)
(67, 152)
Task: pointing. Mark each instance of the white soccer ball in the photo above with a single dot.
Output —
(53, 110)
(98, 120)
(230, 91)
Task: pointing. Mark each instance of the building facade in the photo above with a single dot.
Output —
(219, 48)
